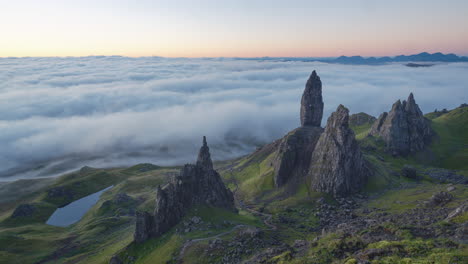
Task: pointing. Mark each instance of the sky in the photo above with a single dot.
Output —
(240, 28)
(59, 114)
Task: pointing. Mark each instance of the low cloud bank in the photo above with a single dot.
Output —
(59, 114)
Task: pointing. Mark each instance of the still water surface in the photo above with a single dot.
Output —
(74, 211)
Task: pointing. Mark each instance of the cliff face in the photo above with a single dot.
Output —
(337, 165)
(295, 150)
(293, 156)
(404, 129)
(196, 184)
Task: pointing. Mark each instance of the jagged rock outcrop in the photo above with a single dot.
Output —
(197, 184)
(404, 129)
(292, 161)
(337, 165)
(311, 102)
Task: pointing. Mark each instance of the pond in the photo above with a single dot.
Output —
(74, 211)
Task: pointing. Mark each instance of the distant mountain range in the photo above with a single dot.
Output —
(359, 60)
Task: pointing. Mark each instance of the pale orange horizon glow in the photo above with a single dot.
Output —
(298, 28)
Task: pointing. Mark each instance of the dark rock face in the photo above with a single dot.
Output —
(196, 184)
(294, 153)
(404, 129)
(312, 103)
(24, 210)
(144, 227)
(337, 165)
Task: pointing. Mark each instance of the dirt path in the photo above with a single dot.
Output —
(266, 217)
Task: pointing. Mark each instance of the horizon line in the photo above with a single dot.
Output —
(231, 57)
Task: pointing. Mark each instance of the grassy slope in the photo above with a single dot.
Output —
(451, 146)
(97, 236)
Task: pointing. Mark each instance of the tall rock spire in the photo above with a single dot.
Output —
(204, 157)
(312, 103)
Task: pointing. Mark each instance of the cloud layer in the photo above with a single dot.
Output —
(62, 113)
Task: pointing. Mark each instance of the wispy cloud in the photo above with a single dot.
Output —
(107, 111)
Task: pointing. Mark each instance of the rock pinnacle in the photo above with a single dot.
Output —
(312, 103)
(204, 157)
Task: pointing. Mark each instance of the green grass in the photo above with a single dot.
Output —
(29, 243)
(41, 214)
(254, 176)
(141, 168)
(166, 247)
(99, 234)
(361, 131)
(396, 201)
(450, 148)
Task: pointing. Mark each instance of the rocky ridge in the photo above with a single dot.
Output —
(197, 184)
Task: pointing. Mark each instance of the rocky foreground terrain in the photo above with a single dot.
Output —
(362, 189)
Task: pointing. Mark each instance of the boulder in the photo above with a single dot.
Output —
(337, 165)
(439, 198)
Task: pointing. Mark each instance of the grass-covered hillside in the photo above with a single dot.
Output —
(106, 228)
(398, 217)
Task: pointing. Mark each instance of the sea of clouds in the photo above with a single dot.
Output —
(58, 114)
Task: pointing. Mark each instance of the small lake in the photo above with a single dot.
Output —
(74, 211)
